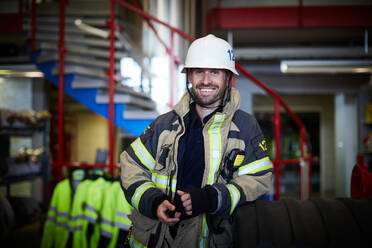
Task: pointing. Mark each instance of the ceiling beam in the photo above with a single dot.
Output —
(289, 17)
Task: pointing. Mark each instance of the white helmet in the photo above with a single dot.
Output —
(210, 52)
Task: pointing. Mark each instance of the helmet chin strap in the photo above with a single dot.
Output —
(227, 95)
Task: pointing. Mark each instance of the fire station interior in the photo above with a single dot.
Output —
(307, 80)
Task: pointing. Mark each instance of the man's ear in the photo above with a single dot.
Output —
(188, 72)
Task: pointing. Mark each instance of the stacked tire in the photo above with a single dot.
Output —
(316, 222)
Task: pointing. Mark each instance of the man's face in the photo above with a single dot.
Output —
(208, 85)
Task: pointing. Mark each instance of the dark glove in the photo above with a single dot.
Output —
(203, 200)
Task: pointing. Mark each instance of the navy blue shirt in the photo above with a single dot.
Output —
(191, 159)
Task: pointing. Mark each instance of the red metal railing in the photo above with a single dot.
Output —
(111, 85)
(61, 86)
(33, 25)
(174, 61)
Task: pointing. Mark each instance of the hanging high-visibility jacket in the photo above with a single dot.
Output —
(123, 210)
(78, 218)
(114, 214)
(56, 230)
(94, 203)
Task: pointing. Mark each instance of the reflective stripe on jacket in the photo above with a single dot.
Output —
(149, 168)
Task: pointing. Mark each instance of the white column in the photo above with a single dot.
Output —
(346, 141)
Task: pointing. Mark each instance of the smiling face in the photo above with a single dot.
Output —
(208, 85)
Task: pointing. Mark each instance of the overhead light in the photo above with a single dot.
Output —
(326, 66)
(21, 73)
(90, 29)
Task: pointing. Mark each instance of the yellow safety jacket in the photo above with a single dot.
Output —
(78, 219)
(96, 197)
(56, 228)
(114, 214)
(149, 169)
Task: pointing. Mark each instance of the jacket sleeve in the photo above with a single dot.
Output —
(137, 164)
(253, 178)
(49, 232)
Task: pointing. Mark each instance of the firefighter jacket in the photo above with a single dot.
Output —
(149, 170)
(56, 228)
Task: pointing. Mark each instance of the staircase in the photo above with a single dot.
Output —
(87, 60)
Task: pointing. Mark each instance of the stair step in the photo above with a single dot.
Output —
(84, 61)
(100, 22)
(68, 29)
(78, 35)
(77, 39)
(54, 20)
(82, 50)
(103, 97)
(91, 8)
(81, 82)
(139, 114)
(82, 70)
(9, 7)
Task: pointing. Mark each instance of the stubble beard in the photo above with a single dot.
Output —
(209, 101)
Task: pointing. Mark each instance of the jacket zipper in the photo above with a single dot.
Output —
(173, 171)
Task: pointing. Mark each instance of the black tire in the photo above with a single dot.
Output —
(341, 228)
(362, 212)
(245, 226)
(306, 224)
(274, 228)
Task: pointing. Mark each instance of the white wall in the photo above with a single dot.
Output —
(346, 140)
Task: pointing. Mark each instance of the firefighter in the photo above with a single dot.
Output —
(172, 174)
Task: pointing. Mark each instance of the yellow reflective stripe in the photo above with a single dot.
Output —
(204, 235)
(215, 147)
(162, 181)
(139, 192)
(234, 196)
(143, 155)
(238, 160)
(134, 243)
(256, 166)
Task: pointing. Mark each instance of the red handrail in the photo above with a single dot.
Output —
(111, 86)
(33, 25)
(61, 86)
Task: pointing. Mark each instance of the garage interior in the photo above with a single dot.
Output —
(121, 69)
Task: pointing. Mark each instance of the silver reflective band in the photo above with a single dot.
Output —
(106, 234)
(122, 226)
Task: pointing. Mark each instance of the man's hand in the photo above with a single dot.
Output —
(162, 213)
(186, 201)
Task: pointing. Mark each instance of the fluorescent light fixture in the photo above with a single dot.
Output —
(326, 66)
(21, 73)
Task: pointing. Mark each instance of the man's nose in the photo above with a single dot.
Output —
(205, 78)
